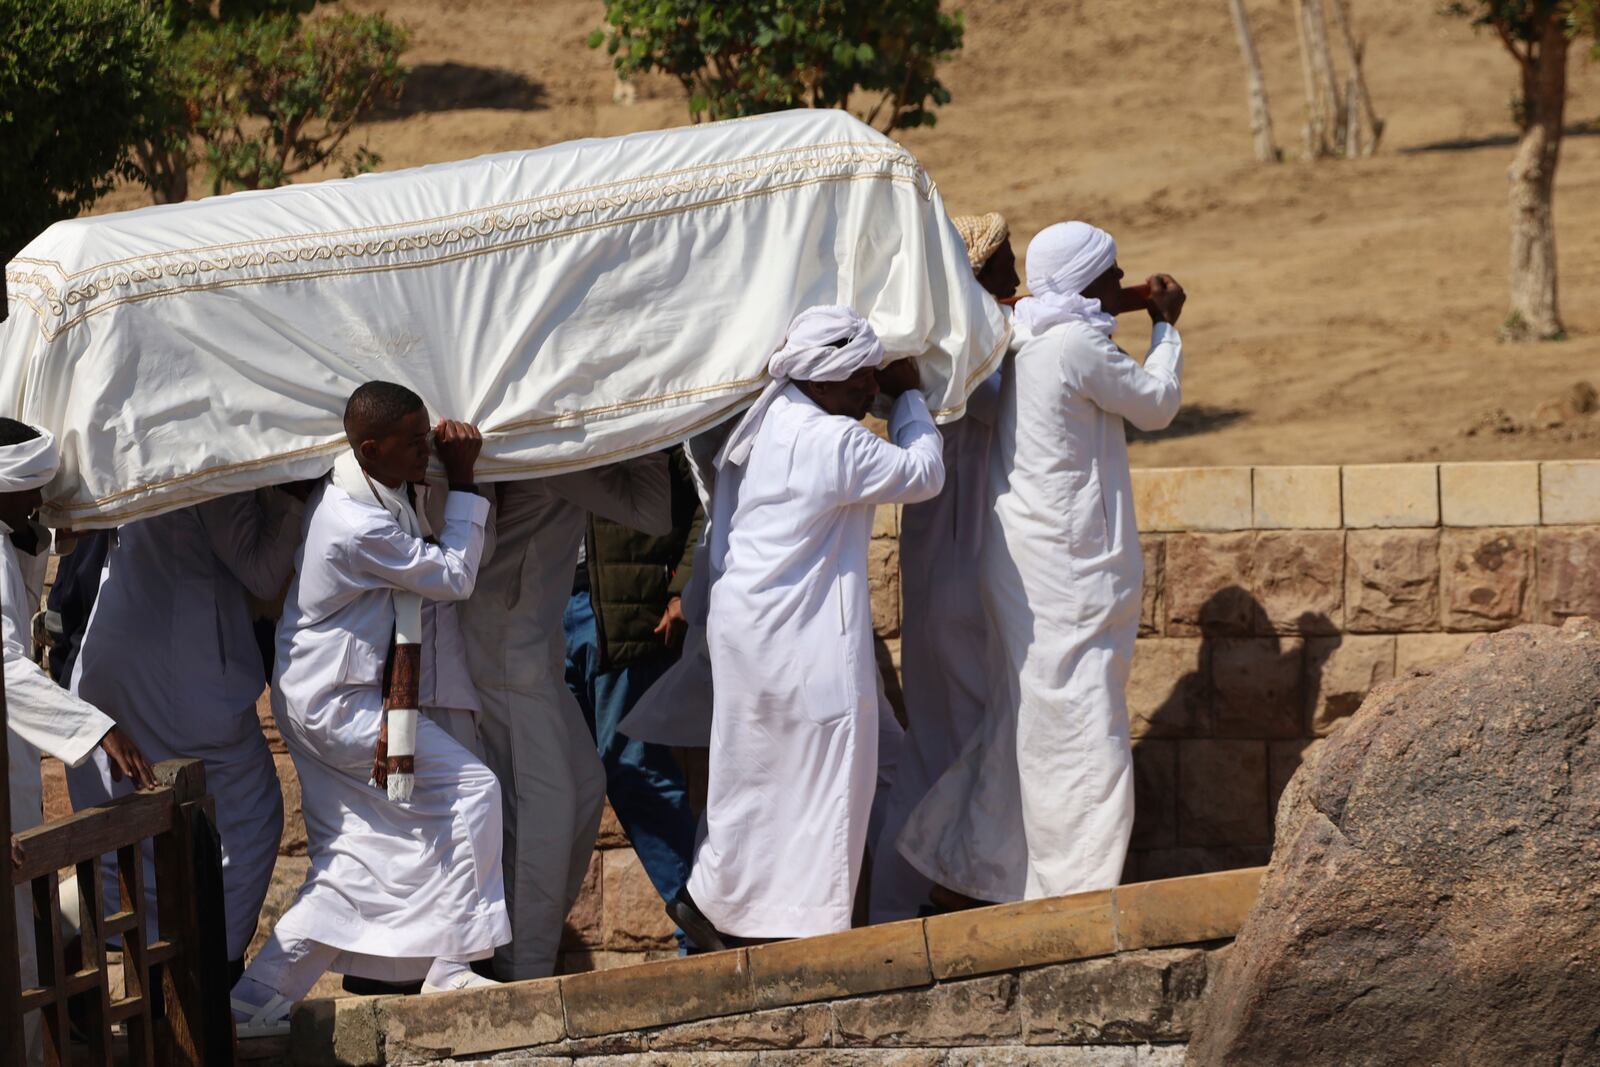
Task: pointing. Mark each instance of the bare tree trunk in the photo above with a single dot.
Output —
(166, 170)
(1359, 101)
(1260, 115)
(1535, 313)
(1330, 100)
(1315, 128)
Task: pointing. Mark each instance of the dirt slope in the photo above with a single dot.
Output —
(1340, 312)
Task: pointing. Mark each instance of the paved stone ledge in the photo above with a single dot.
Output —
(981, 977)
(1367, 496)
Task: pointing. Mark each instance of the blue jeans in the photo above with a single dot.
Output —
(644, 782)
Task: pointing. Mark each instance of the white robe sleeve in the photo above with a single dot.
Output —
(1146, 396)
(908, 470)
(255, 543)
(390, 557)
(42, 713)
(636, 493)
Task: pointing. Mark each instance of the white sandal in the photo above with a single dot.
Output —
(462, 980)
(267, 1020)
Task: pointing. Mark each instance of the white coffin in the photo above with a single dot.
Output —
(581, 303)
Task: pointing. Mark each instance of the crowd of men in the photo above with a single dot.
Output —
(462, 673)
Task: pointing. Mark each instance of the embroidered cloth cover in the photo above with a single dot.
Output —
(581, 303)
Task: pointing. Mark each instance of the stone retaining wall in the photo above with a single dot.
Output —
(1276, 597)
(1107, 978)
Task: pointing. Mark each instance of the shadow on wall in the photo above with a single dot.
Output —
(462, 86)
(1212, 758)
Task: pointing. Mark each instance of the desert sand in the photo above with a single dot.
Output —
(1339, 311)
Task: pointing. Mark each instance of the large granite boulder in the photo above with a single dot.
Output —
(1434, 893)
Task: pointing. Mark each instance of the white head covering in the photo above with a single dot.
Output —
(827, 343)
(29, 464)
(1062, 260)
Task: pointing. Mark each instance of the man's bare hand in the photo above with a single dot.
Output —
(1166, 299)
(672, 625)
(898, 377)
(126, 759)
(458, 445)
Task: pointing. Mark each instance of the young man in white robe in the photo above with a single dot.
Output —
(533, 732)
(405, 881)
(40, 715)
(795, 729)
(1041, 801)
(944, 674)
(170, 652)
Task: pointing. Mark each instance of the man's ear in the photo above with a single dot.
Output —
(367, 451)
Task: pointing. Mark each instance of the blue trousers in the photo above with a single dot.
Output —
(644, 782)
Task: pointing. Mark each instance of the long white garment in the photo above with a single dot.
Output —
(1041, 801)
(170, 653)
(40, 717)
(533, 733)
(943, 634)
(391, 885)
(795, 731)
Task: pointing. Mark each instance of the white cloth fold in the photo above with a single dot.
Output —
(29, 464)
(826, 343)
(1062, 260)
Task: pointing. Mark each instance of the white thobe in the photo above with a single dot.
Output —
(40, 717)
(795, 730)
(943, 635)
(533, 732)
(391, 885)
(171, 654)
(1041, 801)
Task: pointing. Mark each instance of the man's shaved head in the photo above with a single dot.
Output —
(13, 432)
(376, 407)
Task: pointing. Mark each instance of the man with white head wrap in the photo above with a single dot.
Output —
(1041, 801)
(943, 630)
(40, 715)
(795, 730)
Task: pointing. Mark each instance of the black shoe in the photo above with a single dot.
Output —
(682, 910)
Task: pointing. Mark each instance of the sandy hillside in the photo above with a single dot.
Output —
(1339, 312)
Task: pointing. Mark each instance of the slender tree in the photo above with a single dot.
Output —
(1539, 35)
(1256, 84)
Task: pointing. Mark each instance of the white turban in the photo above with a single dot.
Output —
(1062, 260)
(28, 464)
(827, 343)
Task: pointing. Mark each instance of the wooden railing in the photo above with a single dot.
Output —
(193, 1026)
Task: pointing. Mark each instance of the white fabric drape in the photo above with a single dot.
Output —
(580, 303)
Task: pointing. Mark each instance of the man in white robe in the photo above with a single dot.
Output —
(795, 728)
(399, 889)
(533, 732)
(943, 630)
(40, 715)
(171, 654)
(1041, 801)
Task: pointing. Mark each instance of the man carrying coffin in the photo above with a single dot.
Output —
(1041, 801)
(40, 715)
(402, 819)
(795, 728)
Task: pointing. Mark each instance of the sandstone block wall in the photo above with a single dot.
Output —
(1276, 598)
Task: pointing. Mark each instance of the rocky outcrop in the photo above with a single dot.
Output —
(1434, 893)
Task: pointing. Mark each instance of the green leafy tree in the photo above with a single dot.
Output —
(76, 77)
(273, 97)
(1539, 35)
(746, 57)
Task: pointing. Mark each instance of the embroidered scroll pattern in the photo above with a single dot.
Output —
(496, 228)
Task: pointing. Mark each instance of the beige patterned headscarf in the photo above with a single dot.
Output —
(983, 234)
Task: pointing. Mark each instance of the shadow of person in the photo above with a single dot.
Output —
(1211, 758)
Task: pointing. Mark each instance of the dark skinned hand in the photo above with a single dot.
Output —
(898, 377)
(126, 759)
(458, 445)
(672, 625)
(1166, 299)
